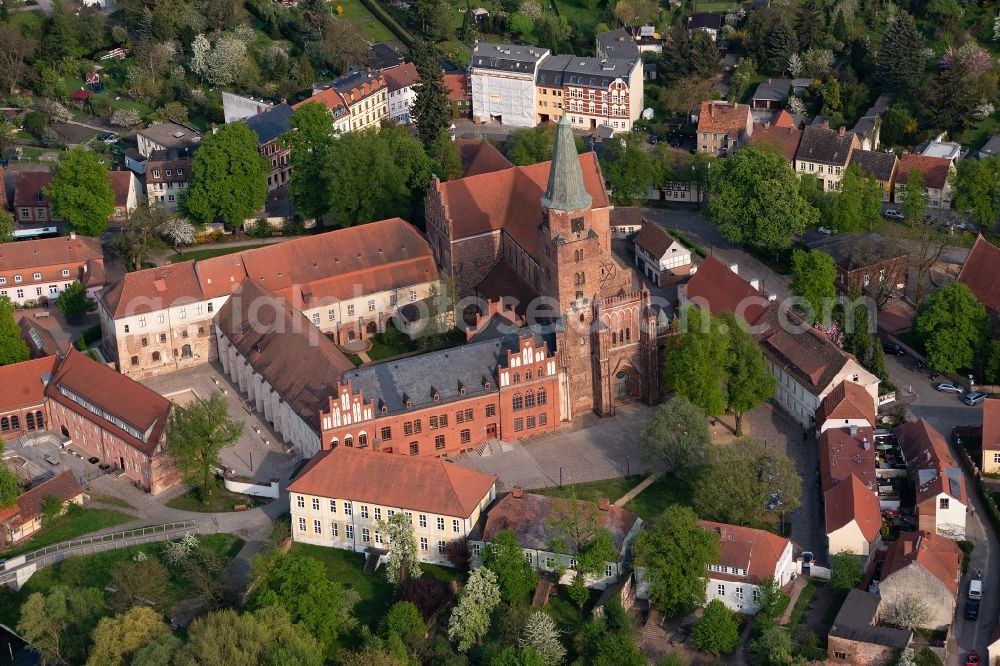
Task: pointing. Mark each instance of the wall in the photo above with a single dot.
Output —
(256, 489)
(21, 293)
(916, 580)
(22, 414)
(848, 537)
(505, 94)
(858, 653)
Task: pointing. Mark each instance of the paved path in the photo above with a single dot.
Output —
(793, 595)
(645, 483)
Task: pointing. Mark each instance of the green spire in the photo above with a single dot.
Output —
(566, 190)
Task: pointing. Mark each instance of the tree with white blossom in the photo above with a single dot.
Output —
(403, 562)
(541, 635)
(177, 231)
(470, 620)
(794, 64)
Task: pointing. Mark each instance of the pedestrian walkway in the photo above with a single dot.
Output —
(645, 483)
(364, 357)
(797, 585)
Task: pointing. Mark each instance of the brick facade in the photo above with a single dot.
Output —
(858, 653)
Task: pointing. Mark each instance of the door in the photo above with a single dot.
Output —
(491, 431)
(121, 463)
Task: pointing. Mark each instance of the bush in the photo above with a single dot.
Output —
(717, 631)
(429, 596)
(261, 228)
(35, 122)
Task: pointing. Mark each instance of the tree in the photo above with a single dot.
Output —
(900, 62)
(533, 145)
(744, 481)
(618, 649)
(857, 206)
(953, 95)
(541, 635)
(520, 24)
(749, 381)
(311, 137)
(16, 51)
(952, 325)
(137, 583)
(695, 368)
(675, 438)
(404, 620)
(636, 12)
(813, 277)
(6, 227)
(552, 31)
(12, 348)
(74, 302)
(511, 656)
(779, 45)
(772, 646)
(470, 620)
(771, 601)
(717, 631)
(140, 235)
(756, 200)
(159, 652)
(402, 562)
(515, 576)
(977, 189)
(118, 638)
(197, 433)
(299, 585)
(228, 176)
(266, 636)
(58, 624)
(431, 110)
(845, 571)
(810, 25)
(628, 169)
(10, 489)
(743, 74)
(908, 611)
(675, 553)
(81, 192)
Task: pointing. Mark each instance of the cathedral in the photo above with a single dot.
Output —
(537, 239)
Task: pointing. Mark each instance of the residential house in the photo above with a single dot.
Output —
(747, 557)
(113, 418)
(459, 94)
(400, 80)
(127, 188)
(993, 647)
(710, 23)
(658, 255)
(167, 174)
(979, 273)
(936, 173)
(238, 107)
(825, 153)
(366, 97)
(869, 126)
(925, 565)
(772, 93)
(949, 150)
(532, 519)
(880, 166)
(990, 149)
(270, 126)
(383, 55)
(503, 78)
(31, 201)
(335, 104)
(783, 140)
(718, 288)
(856, 637)
(40, 339)
(22, 396)
(592, 92)
(166, 136)
(851, 508)
(616, 44)
(942, 501)
(22, 519)
(723, 127)
(342, 494)
(870, 263)
(848, 405)
(41, 269)
(991, 435)
(349, 283)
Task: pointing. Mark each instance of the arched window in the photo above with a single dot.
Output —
(583, 278)
(527, 375)
(576, 256)
(518, 402)
(156, 357)
(576, 278)
(4, 424)
(517, 377)
(542, 397)
(334, 442)
(186, 351)
(15, 423)
(628, 333)
(39, 421)
(614, 338)
(348, 441)
(541, 371)
(363, 440)
(29, 420)
(529, 400)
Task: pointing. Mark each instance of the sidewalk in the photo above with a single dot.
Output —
(797, 585)
(645, 483)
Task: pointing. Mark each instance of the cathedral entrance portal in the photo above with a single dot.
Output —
(626, 385)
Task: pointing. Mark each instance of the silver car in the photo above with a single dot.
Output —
(948, 387)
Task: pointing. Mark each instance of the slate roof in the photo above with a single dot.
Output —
(852, 251)
(409, 483)
(773, 90)
(934, 170)
(785, 138)
(723, 290)
(939, 555)
(929, 458)
(504, 283)
(826, 146)
(852, 501)
(618, 44)
(979, 273)
(560, 70)
(875, 164)
(300, 363)
(23, 384)
(991, 424)
(992, 147)
(400, 76)
(628, 216)
(856, 622)
(704, 20)
(654, 239)
(382, 55)
(757, 551)
(507, 57)
(530, 517)
(272, 123)
(847, 401)
(64, 485)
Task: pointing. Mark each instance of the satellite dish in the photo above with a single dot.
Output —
(647, 114)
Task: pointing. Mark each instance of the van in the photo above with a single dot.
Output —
(975, 589)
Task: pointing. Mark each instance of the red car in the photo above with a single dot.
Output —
(972, 659)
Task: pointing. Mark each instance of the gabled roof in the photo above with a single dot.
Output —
(723, 290)
(939, 555)
(329, 98)
(704, 20)
(856, 622)
(64, 485)
(716, 116)
(756, 551)
(847, 401)
(29, 189)
(822, 144)
(934, 170)
(979, 273)
(654, 239)
(530, 517)
(457, 84)
(852, 500)
(785, 138)
(409, 483)
(400, 76)
(122, 184)
(843, 455)
(480, 157)
(23, 384)
(773, 90)
(929, 458)
(153, 289)
(272, 123)
(991, 424)
(875, 164)
(67, 251)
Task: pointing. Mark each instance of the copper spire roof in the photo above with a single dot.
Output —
(566, 190)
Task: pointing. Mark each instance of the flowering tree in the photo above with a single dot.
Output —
(794, 64)
(125, 118)
(470, 620)
(177, 231)
(402, 563)
(542, 636)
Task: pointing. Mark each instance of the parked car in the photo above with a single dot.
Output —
(826, 231)
(948, 387)
(109, 137)
(972, 608)
(974, 398)
(893, 214)
(959, 226)
(653, 139)
(93, 460)
(893, 348)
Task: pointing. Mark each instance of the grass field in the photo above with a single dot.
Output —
(374, 29)
(662, 493)
(611, 489)
(71, 526)
(208, 253)
(221, 500)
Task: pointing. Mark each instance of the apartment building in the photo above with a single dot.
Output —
(167, 174)
(357, 100)
(723, 127)
(942, 500)
(503, 80)
(591, 92)
(880, 166)
(825, 153)
(270, 126)
(400, 82)
(43, 268)
(166, 136)
(335, 104)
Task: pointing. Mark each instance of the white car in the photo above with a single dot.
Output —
(948, 387)
(893, 214)
(826, 231)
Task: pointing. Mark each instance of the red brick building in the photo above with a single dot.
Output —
(22, 396)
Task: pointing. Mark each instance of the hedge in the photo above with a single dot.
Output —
(389, 22)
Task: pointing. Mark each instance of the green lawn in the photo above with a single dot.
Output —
(71, 526)
(611, 489)
(221, 500)
(584, 21)
(208, 253)
(382, 349)
(373, 28)
(662, 493)
(97, 573)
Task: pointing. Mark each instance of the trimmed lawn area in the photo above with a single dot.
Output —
(221, 500)
(374, 29)
(208, 253)
(382, 349)
(662, 493)
(97, 573)
(611, 489)
(71, 526)
(110, 499)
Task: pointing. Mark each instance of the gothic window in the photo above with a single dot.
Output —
(614, 338)
(527, 375)
(518, 402)
(517, 377)
(4, 424)
(628, 333)
(363, 440)
(542, 398)
(529, 399)
(349, 441)
(15, 423)
(39, 421)
(30, 420)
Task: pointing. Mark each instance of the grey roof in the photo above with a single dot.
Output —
(874, 163)
(566, 190)
(352, 80)
(992, 147)
(507, 57)
(416, 378)
(170, 135)
(383, 54)
(851, 251)
(704, 20)
(776, 89)
(855, 622)
(618, 44)
(573, 70)
(271, 124)
(821, 144)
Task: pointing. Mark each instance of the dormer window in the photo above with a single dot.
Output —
(65, 272)
(180, 171)
(17, 278)
(36, 276)
(156, 173)
(169, 173)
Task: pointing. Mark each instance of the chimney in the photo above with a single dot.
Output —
(603, 503)
(865, 444)
(841, 131)
(908, 546)
(517, 492)
(755, 283)
(767, 124)
(734, 267)
(854, 431)
(72, 235)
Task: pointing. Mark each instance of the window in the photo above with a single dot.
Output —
(134, 360)
(422, 520)
(317, 527)
(543, 419)
(440, 547)
(364, 510)
(386, 434)
(378, 513)
(333, 506)
(840, 655)
(531, 422)
(366, 535)
(65, 272)
(349, 531)
(413, 296)
(996, 458)
(378, 537)
(465, 437)
(371, 305)
(529, 399)
(363, 440)
(183, 313)
(423, 544)
(943, 503)
(518, 402)
(315, 503)
(476, 549)
(439, 442)
(20, 294)
(529, 559)
(347, 509)
(491, 410)
(302, 524)
(756, 594)
(542, 397)
(721, 590)
(350, 309)
(3, 280)
(440, 523)
(334, 529)
(454, 525)
(315, 318)
(17, 278)
(38, 291)
(458, 417)
(518, 425)
(408, 428)
(301, 502)
(550, 563)
(432, 423)
(53, 289)
(414, 448)
(609, 570)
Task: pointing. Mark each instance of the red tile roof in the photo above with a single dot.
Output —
(851, 500)
(511, 200)
(979, 273)
(21, 384)
(786, 139)
(153, 289)
(480, 157)
(400, 76)
(757, 551)
(64, 485)
(847, 401)
(784, 119)
(934, 169)
(991, 424)
(125, 399)
(716, 116)
(718, 287)
(329, 98)
(29, 188)
(458, 87)
(49, 256)
(842, 456)
(929, 458)
(410, 483)
(121, 184)
(654, 239)
(939, 555)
